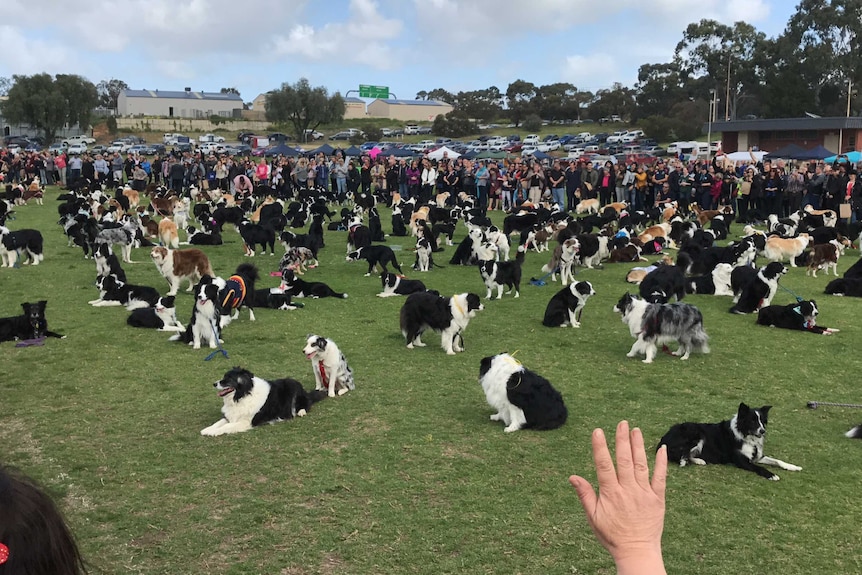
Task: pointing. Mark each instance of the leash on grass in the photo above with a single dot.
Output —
(220, 349)
(816, 404)
(798, 299)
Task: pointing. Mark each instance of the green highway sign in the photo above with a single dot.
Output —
(366, 91)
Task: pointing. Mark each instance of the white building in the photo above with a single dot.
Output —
(185, 104)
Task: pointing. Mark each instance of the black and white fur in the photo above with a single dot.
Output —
(162, 316)
(297, 287)
(523, 399)
(424, 255)
(448, 316)
(20, 242)
(851, 287)
(498, 275)
(800, 316)
(113, 292)
(565, 307)
(330, 368)
(753, 289)
(29, 325)
(274, 298)
(395, 285)
(203, 238)
(107, 262)
(738, 441)
(652, 324)
(375, 255)
(238, 292)
(205, 324)
(663, 282)
(715, 283)
(251, 401)
(563, 260)
(125, 235)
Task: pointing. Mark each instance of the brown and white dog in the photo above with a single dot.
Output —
(133, 196)
(168, 235)
(830, 218)
(177, 265)
(657, 231)
(617, 206)
(780, 249)
(33, 191)
(419, 214)
(588, 206)
(705, 216)
(823, 257)
(669, 211)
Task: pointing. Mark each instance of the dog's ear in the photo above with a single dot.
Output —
(765, 409)
(743, 409)
(44, 302)
(26, 308)
(321, 343)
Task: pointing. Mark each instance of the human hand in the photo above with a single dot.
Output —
(627, 516)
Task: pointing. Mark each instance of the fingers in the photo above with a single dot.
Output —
(625, 466)
(586, 494)
(602, 458)
(639, 458)
(659, 476)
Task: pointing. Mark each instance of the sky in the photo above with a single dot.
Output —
(407, 45)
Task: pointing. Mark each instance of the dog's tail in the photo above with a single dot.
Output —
(855, 433)
(519, 257)
(316, 395)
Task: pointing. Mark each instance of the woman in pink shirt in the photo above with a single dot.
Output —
(262, 172)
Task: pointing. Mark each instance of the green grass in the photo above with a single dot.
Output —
(406, 474)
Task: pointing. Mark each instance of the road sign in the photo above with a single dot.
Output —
(366, 91)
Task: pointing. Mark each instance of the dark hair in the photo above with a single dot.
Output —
(34, 531)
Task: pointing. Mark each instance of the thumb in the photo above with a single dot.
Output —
(585, 493)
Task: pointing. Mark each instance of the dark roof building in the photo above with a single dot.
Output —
(842, 134)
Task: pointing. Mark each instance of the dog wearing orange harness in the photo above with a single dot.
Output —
(239, 291)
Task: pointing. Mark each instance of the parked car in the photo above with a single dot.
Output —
(313, 135)
(138, 149)
(211, 138)
(411, 130)
(340, 136)
(278, 137)
(77, 149)
(553, 145)
(531, 140)
(57, 148)
(154, 149)
(655, 151)
(86, 140)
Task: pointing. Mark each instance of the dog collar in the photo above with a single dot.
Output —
(323, 378)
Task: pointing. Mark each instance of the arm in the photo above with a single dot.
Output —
(627, 516)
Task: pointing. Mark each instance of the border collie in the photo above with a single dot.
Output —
(652, 324)
(297, 287)
(250, 401)
(423, 255)
(778, 249)
(274, 298)
(593, 249)
(29, 325)
(523, 399)
(845, 286)
(394, 285)
(375, 256)
(715, 283)
(254, 234)
(113, 292)
(754, 289)
(298, 259)
(124, 235)
(14, 244)
(107, 262)
(176, 265)
(203, 238)
(800, 316)
(162, 316)
(331, 372)
(565, 307)
(563, 260)
(738, 442)
(663, 282)
(238, 291)
(498, 275)
(448, 316)
(205, 323)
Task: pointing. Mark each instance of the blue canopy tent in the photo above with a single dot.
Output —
(788, 152)
(282, 150)
(540, 155)
(852, 157)
(398, 153)
(816, 153)
(353, 152)
(325, 149)
(470, 154)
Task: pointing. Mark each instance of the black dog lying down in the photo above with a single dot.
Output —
(30, 325)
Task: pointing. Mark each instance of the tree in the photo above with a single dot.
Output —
(559, 101)
(231, 90)
(109, 91)
(5, 84)
(441, 95)
(421, 95)
(484, 105)
(533, 123)
(519, 100)
(372, 132)
(617, 100)
(659, 87)
(455, 124)
(48, 104)
(303, 107)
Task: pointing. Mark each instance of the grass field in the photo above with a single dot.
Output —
(406, 475)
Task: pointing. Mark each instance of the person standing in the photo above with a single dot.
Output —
(75, 165)
(606, 183)
(483, 177)
(429, 179)
(557, 181)
(573, 183)
(101, 169)
(414, 180)
(589, 182)
(60, 164)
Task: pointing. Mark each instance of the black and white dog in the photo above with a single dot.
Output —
(251, 401)
(498, 275)
(448, 316)
(125, 235)
(162, 316)
(20, 242)
(113, 292)
(375, 255)
(297, 287)
(203, 238)
(754, 289)
(29, 325)
(205, 324)
(652, 324)
(107, 262)
(738, 441)
(800, 316)
(663, 282)
(565, 307)
(274, 298)
(331, 372)
(523, 399)
(715, 283)
(851, 287)
(394, 285)
(254, 234)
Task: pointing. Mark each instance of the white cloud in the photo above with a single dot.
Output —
(590, 71)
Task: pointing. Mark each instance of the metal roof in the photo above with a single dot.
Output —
(783, 124)
(354, 100)
(181, 95)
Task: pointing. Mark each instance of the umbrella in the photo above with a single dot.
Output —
(374, 152)
(852, 157)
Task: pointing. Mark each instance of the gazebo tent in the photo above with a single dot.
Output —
(438, 153)
(816, 153)
(353, 152)
(282, 150)
(325, 149)
(788, 152)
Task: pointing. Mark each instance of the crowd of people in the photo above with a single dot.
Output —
(756, 187)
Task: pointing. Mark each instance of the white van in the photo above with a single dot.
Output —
(532, 140)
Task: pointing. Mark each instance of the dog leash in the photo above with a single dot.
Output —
(798, 299)
(816, 404)
(220, 349)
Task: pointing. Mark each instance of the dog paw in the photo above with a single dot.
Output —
(450, 352)
(409, 346)
(646, 361)
(342, 391)
(774, 477)
(496, 417)
(511, 428)
(576, 324)
(791, 467)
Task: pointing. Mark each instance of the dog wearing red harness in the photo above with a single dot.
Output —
(239, 291)
(331, 372)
